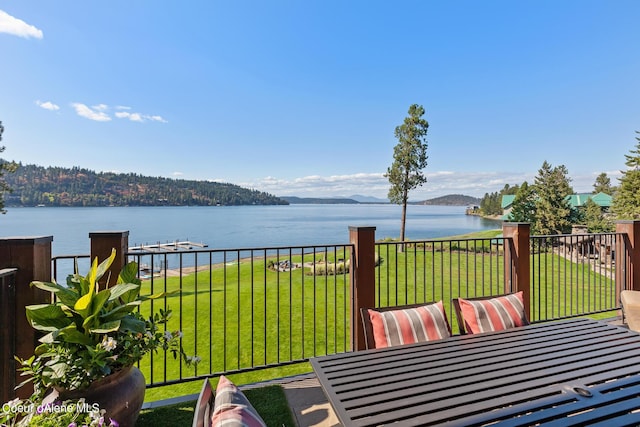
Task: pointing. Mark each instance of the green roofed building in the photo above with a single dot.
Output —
(575, 200)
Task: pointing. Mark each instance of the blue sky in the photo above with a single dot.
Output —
(302, 97)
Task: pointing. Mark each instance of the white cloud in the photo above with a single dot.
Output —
(96, 113)
(137, 117)
(177, 174)
(17, 27)
(439, 183)
(134, 117)
(48, 105)
(324, 186)
(157, 119)
(100, 112)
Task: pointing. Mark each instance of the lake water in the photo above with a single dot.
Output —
(236, 226)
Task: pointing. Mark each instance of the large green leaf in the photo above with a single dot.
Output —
(104, 266)
(120, 311)
(106, 327)
(47, 317)
(132, 324)
(124, 288)
(83, 305)
(63, 293)
(129, 274)
(96, 305)
(72, 335)
(47, 286)
(158, 295)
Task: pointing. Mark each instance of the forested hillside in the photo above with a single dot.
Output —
(452, 200)
(54, 186)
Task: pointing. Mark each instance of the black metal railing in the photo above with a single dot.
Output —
(433, 270)
(7, 331)
(245, 309)
(574, 275)
(253, 308)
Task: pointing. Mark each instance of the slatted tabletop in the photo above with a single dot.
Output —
(574, 372)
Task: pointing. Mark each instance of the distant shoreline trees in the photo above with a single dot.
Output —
(5, 167)
(54, 186)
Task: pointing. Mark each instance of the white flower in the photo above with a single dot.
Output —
(168, 335)
(178, 334)
(109, 344)
(193, 360)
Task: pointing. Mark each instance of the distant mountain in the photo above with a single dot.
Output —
(318, 200)
(449, 200)
(452, 200)
(55, 186)
(368, 199)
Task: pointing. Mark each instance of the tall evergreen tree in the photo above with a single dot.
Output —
(626, 200)
(602, 184)
(594, 218)
(524, 204)
(409, 159)
(553, 211)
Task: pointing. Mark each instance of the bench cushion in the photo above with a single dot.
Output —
(631, 308)
(410, 325)
(232, 408)
(493, 314)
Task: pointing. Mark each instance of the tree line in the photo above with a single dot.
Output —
(545, 203)
(33, 185)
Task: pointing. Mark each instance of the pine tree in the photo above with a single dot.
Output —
(409, 159)
(626, 201)
(602, 184)
(553, 211)
(524, 204)
(594, 218)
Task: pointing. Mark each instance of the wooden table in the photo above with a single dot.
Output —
(574, 372)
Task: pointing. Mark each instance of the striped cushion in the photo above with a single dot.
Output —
(232, 408)
(409, 325)
(493, 314)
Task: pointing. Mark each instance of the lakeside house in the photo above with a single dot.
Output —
(575, 201)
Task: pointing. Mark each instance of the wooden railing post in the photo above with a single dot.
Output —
(517, 263)
(31, 256)
(102, 243)
(628, 256)
(363, 266)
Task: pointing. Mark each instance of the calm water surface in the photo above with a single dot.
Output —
(236, 226)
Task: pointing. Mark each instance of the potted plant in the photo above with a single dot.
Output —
(95, 334)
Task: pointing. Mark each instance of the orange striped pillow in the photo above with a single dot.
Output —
(409, 325)
(493, 314)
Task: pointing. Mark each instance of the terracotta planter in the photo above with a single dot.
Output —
(121, 394)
